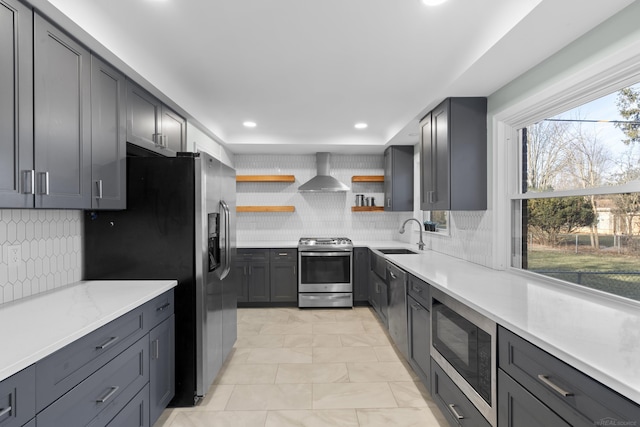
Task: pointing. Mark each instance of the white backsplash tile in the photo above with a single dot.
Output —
(51, 250)
(316, 214)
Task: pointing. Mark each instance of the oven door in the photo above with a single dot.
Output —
(324, 272)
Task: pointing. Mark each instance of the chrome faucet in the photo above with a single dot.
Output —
(421, 243)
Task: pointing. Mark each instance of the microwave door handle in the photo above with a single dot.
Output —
(226, 215)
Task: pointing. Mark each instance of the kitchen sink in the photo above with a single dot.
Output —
(397, 251)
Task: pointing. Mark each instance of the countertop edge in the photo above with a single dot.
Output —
(50, 348)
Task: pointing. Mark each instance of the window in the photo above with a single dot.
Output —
(439, 220)
(577, 217)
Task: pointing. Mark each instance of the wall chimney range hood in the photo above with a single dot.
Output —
(323, 181)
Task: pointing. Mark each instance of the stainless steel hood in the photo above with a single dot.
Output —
(323, 182)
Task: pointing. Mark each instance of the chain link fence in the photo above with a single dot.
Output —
(623, 283)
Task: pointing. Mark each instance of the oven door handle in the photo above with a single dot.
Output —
(325, 254)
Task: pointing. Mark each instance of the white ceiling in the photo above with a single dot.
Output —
(307, 71)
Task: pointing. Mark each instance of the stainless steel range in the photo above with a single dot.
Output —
(325, 274)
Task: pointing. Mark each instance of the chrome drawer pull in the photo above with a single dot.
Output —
(283, 254)
(5, 411)
(416, 307)
(455, 413)
(108, 395)
(416, 289)
(107, 344)
(163, 306)
(545, 379)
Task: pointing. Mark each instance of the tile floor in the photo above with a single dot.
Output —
(311, 368)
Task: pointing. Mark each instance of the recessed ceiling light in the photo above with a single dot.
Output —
(249, 124)
(361, 125)
(432, 2)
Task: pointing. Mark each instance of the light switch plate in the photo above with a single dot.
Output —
(14, 256)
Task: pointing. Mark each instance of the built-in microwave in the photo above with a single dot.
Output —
(463, 343)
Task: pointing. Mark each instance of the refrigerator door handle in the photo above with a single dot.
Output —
(227, 239)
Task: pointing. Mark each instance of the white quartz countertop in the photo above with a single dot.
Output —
(591, 331)
(37, 326)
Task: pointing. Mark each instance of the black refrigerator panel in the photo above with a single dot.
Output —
(154, 238)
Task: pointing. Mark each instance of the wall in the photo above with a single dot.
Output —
(316, 214)
(51, 247)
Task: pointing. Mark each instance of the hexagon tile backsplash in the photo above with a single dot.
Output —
(50, 246)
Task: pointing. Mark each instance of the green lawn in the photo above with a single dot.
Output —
(611, 269)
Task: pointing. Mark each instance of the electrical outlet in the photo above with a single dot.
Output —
(14, 256)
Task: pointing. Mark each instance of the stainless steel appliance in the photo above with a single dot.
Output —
(463, 343)
(179, 224)
(325, 274)
(397, 309)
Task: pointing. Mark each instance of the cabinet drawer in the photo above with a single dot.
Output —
(420, 290)
(253, 254)
(17, 398)
(64, 369)
(576, 397)
(452, 402)
(518, 407)
(135, 413)
(290, 255)
(158, 310)
(99, 398)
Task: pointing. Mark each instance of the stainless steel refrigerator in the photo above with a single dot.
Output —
(179, 224)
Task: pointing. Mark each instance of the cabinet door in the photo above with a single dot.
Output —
(62, 82)
(440, 157)
(398, 178)
(388, 178)
(259, 279)
(361, 270)
(108, 137)
(174, 131)
(161, 367)
(419, 326)
(143, 118)
(17, 398)
(374, 291)
(284, 275)
(426, 164)
(384, 302)
(519, 408)
(16, 105)
(239, 272)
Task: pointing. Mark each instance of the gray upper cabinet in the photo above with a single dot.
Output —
(108, 137)
(454, 156)
(62, 120)
(151, 125)
(16, 105)
(398, 178)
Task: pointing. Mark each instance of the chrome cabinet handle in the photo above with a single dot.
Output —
(107, 344)
(44, 184)
(5, 411)
(29, 181)
(562, 392)
(282, 254)
(455, 413)
(99, 189)
(163, 307)
(156, 349)
(417, 289)
(108, 395)
(416, 307)
(393, 276)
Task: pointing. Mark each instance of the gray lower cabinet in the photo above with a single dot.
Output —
(161, 368)
(519, 408)
(576, 398)
(454, 156)
(16, 104)
(379, 297)
(152, 125)
(283, 275)
(17, 398)
(252, 266)
(108, 137)
(122, 374)
(62, 119)
(455, 406)
(419, 330)
(361, 268)
(398, 178)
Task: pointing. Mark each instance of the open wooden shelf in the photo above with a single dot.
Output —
(265, 209)
(367, 208)
(367, 178)
(265, 178)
